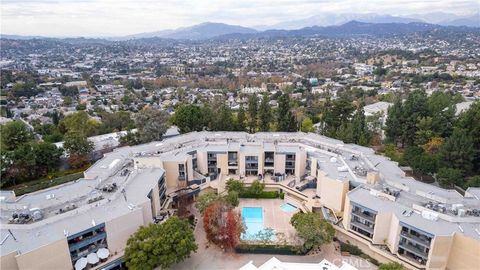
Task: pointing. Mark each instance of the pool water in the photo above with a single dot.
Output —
(253, 219)
(289, 208)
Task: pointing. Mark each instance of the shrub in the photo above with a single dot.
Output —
(269, 249)
(354, 250)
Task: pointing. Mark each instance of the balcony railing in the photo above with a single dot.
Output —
(360, 214)
(416, 239)
(87, 241)
(362, 226)
(413, 249)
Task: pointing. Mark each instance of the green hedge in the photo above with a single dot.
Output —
(269, 249)
(46, 183)
(263, 195)
(354, 250)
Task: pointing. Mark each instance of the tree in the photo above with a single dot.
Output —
(240, 124)
(47, 156)
(80, 122)
(394, 122)
(391, 266)
(189, 118)
(285, 118)
(413, 109)
(160, 245)
(232, 198)
(360, 133)
(447, 177)
(265, 114)
(469, 122)
(78, 148)
(14, 134)
(307, 125)
(223, 226)
(252, 113)
(224, 119)
(313, 229)
(473, 181)
(457, 151)
(204, 200)
(234, 185)
(151, 125)
(117, 121)
(256, 188)
(420, 161)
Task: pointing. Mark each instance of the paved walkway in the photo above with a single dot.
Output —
(213, 258)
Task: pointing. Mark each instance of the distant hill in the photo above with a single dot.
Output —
(473, 21)
(220, 31)
(330, 19)
(353, 28)
(197, 32)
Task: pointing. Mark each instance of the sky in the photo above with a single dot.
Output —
(90, 18)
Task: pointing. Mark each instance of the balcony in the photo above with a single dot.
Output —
(362, 226)
(87, 241)
(232, 163)
(413, 249)
(416, 239)
(361, 214)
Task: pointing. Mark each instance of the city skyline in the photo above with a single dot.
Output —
(93, 18)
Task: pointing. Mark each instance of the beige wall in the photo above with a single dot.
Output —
(52, 256)
(8, 261)
(279, 163)
(347, 209)
(171, 173)
(119, 230)
(313, 167)
(241, 163)
(332, 192)
(222, 163)
(202, 163)
(300, 163)
(382, 228)
(440, 247)
(464, 253)
(394, 234)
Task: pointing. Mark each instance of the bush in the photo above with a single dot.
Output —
(354, 250)
(262, 195)
(269, 249)
(46, 182)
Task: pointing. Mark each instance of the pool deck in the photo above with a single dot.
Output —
(273, 216)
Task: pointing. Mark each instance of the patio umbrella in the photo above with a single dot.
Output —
(103, 253)
(92, 258)
(81, 263)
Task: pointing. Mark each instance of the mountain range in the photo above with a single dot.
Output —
(327, 24)
(328, 19)
(210, 30)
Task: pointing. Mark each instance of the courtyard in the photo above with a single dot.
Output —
(211, 257)
(274, 217)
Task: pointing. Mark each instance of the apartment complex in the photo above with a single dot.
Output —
(364, 195)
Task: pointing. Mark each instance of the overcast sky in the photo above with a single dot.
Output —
(122, 17)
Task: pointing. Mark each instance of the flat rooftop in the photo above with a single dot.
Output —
(345, 162)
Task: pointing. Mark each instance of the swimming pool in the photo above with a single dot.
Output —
(253, 219)
(289, 208)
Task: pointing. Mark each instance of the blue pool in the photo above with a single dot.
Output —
(289, 208)
(253, 219)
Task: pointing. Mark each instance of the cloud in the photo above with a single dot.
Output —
(121, 17)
